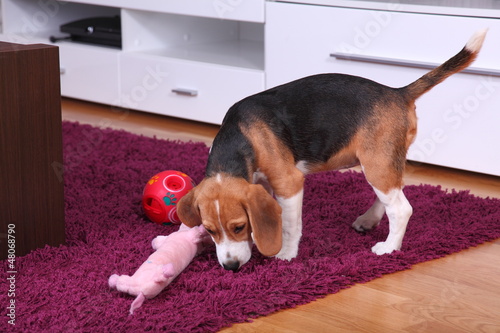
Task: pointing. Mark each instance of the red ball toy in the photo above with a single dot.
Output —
(162, 193)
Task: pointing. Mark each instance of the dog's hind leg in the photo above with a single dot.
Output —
(385, 176)
(371, 218)
(398, 211)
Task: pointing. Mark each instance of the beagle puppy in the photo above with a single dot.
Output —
(268, 142)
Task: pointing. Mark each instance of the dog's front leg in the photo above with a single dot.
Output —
(291, 217)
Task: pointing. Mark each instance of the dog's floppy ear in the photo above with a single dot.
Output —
(264, 214)
(188, 210)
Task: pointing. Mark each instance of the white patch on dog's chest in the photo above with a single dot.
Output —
(302, 166)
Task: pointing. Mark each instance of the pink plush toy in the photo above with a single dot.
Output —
(173, 254)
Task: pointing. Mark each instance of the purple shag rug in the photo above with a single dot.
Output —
(64, 289)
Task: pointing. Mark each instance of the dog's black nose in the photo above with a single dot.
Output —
(232, 266)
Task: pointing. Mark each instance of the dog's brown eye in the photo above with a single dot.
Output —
(239, 229)
(210, 231)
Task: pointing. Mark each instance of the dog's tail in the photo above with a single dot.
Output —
(455, 64)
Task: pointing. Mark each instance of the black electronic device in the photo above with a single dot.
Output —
(95, 30)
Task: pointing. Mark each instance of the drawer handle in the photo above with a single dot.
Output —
(406, 63)
(62, 70)
(185, 92)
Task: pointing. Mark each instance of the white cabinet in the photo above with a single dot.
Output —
(211, 50)
(204, 64)
(90, 73)
(185, 89)
(237, 10)
(87, 72)
(459, 120)
(194, 58)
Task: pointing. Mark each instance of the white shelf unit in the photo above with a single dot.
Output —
(474, 8)
(195, 58)
(221, 42)
(205, 64)
(213, 50)
(87, 72)
(459, 120)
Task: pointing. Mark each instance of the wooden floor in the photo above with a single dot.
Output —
(458, 293)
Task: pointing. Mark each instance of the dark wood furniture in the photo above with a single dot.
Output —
(31, 189)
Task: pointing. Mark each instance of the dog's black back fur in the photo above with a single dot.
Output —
(315, 116)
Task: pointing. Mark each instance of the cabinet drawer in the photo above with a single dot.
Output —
(293, 51)
(458, 119)
(239, 10)
(89, 73)
(192, 90)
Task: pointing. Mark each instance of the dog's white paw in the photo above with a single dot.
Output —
(287, 253)
(383, 248)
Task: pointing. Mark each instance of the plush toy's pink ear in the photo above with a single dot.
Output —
(157, 242)
(168, 270)
(113, 279)
(137, 303)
